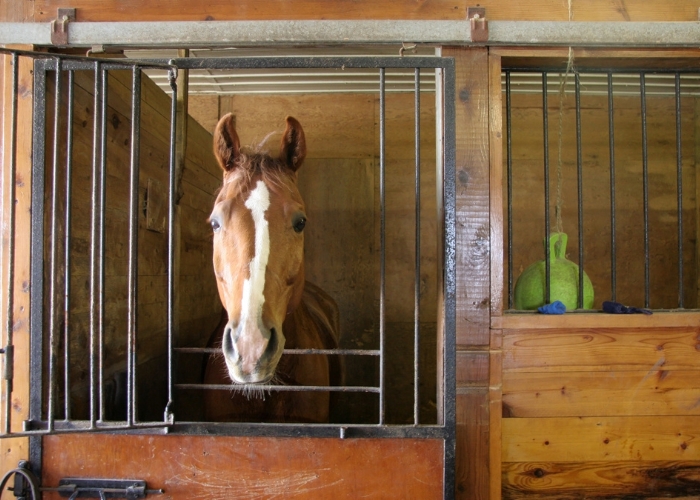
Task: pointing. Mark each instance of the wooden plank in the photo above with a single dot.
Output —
(14, 450)
(496, 183)
(631, 480)
(580, 439)
(472, 368)
(495, 423)
(595, 10)
(654, 392)
(472, 475)
(472, 211)
(331, 131)
(202, 466)
(18, 11)
(600, 350)
(535, 321)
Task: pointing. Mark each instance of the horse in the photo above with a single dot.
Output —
(258, 223)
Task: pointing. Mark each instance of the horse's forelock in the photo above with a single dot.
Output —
(251, 164)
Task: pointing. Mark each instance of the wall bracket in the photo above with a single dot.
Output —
(59, 26)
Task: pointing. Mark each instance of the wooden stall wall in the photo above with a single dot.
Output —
(199, 306)
(594, 405)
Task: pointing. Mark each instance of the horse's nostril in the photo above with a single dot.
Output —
(272, 343)
(227, 343)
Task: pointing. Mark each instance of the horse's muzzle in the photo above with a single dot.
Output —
(251, 354)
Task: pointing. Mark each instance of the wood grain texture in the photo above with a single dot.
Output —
(535, 321)
(14, 450)
(631, 480)
(580, 439)
(473, 437)
(217, 468)
(596, 10)
(653, 392)
(496, 183)
(472, 210)
(601, 350)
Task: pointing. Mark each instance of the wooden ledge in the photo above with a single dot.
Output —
(537, 321)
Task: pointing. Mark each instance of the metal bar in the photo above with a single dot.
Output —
(679, 180)
(36, 290)
(449, 309)
(545, 131)
(279, 388)
(172, 193)
(613, 230)
(101, 239)
(509, 187)
(382, 241)
(417, 279)
(325, 352)
(10, 246)
(645, 185)
(94, 248)
(53, 264)
(67, 259)
(296, 32)
(131, 413)
(579, 185)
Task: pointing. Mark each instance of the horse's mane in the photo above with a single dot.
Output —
(254, 162)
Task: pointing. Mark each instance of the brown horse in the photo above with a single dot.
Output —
(258, 222)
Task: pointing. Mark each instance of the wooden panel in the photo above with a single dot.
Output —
(335, 125)
(631, 480)
(228, 467)
(595, 10)
(601, 350)
(14, 450)
(472, 475)
(472, 368)
(654, 392)
(576, 439)
(472, 165)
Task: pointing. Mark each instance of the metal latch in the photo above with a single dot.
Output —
(59, 26)
(102, 488)
(478, 24)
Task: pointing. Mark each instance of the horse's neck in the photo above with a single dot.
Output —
(314, 323)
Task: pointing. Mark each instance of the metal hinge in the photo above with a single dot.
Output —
(59, 26)
(478, 24)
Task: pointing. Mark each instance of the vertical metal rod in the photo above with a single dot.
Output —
(545, 125)
(509, 187)
(172, 187)
(94, 247)
(382, 240)
(102, 214)
(9, 317)
(645, 184)
(53, 264)
(611, 138)
(131, 414)
(679, 176)
(579, 184)
(417, 279)
(67, 259)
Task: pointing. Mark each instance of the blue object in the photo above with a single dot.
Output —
(617, 308)
(556, 307)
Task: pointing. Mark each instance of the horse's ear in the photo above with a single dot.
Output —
(227, 146)
(293, 144)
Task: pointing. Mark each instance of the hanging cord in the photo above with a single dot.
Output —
(563, 80)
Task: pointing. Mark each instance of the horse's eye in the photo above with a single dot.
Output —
(299, 224)
(215, 225)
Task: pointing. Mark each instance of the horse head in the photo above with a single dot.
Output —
(258, 222)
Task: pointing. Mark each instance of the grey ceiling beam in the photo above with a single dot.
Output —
(247, 33)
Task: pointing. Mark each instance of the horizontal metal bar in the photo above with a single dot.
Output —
(337, 352)
(243, 33)
(277, 388)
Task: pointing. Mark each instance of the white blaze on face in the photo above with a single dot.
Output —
(251, 307)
